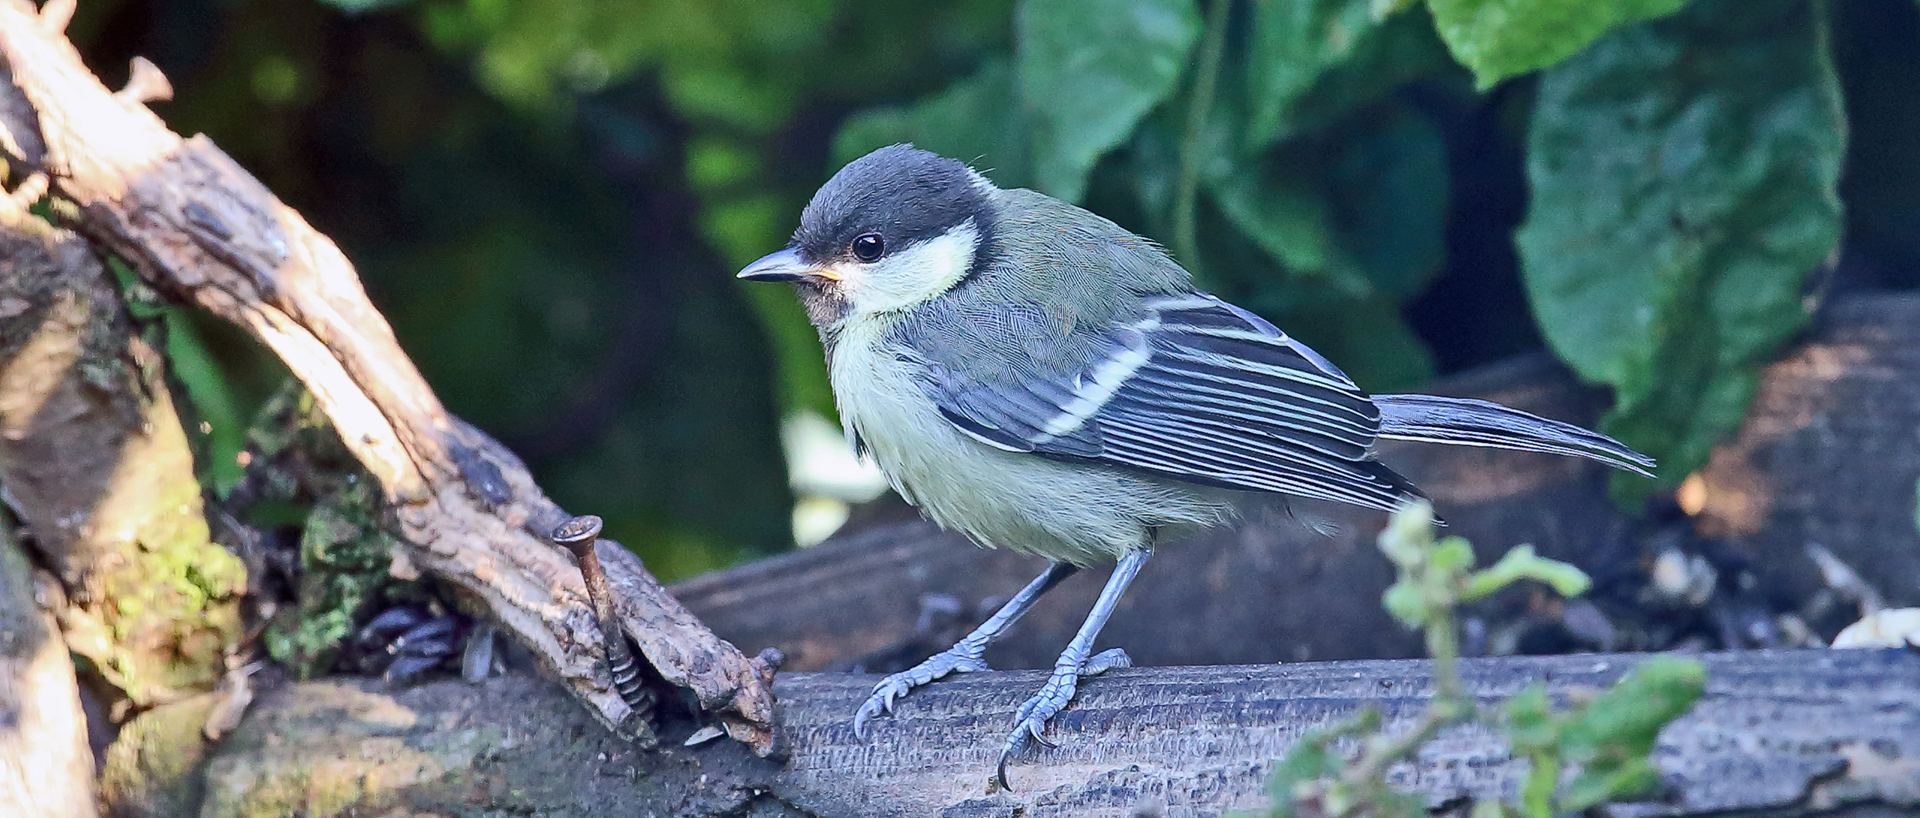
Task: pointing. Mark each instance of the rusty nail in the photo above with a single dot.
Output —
(579, 535)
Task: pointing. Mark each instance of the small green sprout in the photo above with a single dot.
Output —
(1606, 739)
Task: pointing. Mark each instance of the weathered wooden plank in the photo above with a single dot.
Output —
(1779, 734)
(1775, 730)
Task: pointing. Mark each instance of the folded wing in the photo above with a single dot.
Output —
(1199, 390)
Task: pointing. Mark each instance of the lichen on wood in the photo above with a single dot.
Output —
(95, 458)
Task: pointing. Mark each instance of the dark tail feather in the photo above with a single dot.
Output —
(1468, 422)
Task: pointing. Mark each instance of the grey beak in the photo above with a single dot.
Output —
(782, 266)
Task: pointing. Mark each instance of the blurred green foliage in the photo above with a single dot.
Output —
(1498, 39)
(547, 197)
(198, 371)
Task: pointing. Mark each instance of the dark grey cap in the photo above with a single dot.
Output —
(904, 194)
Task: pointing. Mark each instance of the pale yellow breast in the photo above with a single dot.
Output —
(1076, 512)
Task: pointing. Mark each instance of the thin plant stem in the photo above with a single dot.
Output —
(1186, 201)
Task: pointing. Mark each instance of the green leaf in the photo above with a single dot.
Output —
(1533, 730)
(1289, 221)
(1369, 339)
(1362, 207)
(1612, 735)
(1521, 563)
(206, 384)
(1089, 70)
(1406, 603)
(1543, 778)
(1400, 49)
(1632, 777)
(976, 120)
(1293, 43)
(1530, 723)
(1501, 38)
(1683, 180)
(1387, 190)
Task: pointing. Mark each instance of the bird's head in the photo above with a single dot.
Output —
(889, 231)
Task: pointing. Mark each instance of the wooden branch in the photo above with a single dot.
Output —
(100, 470)
(46, 767)
(194, 224)
(1779, 734)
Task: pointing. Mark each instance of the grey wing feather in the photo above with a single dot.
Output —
(1199, 390)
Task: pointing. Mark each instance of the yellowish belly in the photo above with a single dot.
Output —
(1070, 511)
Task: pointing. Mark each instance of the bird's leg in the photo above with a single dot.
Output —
(965, 655)
(1031, 720)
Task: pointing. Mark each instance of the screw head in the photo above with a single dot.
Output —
(582, 529)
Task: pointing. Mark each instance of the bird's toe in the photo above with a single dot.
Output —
(953, 660)
(1110, 659)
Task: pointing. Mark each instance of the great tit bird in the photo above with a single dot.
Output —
(1037, 377)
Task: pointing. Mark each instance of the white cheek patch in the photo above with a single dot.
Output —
(908, 277)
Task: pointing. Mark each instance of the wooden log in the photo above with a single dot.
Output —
(197, 226)
(46, 766)
(98, 466)
(1779, 734)
(1829, 454)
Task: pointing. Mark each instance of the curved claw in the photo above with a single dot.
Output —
(1109, 659)
(954, 660)
(1036, 729)
(880, 701)
(1030, 719)
(1028, 728)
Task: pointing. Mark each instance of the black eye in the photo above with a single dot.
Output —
(868, 247)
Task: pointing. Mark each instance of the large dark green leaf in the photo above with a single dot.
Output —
(1288, 220)
(1293, 43)
(1683, 179)
(1400, 49)
(1386, 185)
(1363, 206)
(1366, 338)
(1502, 38)
(1089, 70)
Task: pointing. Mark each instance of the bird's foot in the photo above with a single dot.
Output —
(961, 658)
(1030, 721)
